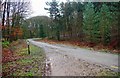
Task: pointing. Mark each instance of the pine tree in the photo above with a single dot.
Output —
(55, 16)
(88, 22)
(105, 22)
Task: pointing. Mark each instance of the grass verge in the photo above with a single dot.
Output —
(26, 65)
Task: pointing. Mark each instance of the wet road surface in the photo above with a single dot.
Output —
(66, 60)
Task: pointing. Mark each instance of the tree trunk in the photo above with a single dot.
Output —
(3, 20)
(8, 22)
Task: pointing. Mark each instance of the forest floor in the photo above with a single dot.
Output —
(67, 60)
(17, 62)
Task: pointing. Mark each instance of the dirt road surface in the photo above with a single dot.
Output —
(63, 60)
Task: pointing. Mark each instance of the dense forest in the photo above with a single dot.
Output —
(90, 22)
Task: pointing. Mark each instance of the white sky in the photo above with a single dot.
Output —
(37, 7)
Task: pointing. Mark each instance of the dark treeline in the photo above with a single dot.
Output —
(91, 22)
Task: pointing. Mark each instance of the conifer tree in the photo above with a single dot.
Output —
(105, 22)
(88, 22)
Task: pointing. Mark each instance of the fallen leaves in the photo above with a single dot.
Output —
(7, 56)
(92, 46)
(17, 62)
